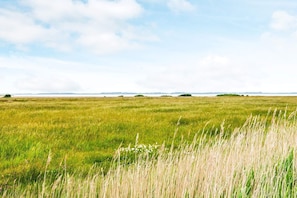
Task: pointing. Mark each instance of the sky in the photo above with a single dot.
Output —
(93, 46)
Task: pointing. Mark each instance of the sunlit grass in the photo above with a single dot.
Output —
(257, 160)
(85, 132)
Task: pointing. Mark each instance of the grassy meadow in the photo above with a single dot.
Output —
(57, 145)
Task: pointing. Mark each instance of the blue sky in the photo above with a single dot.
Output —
(148, 46)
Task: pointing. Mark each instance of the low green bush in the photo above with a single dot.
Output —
(7, 96)
(185, 95)
(139, 95)
(231, 94)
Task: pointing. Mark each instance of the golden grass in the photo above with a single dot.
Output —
(87, 131)
(258, 160)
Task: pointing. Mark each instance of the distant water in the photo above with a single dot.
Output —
(145, 94)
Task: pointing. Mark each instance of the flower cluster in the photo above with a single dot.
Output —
(141, 149)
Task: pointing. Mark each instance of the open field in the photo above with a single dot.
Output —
(79, 133)
(257, 160)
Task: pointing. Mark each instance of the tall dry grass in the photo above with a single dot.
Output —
(258, 160)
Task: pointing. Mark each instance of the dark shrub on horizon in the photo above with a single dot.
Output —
(185, 95)
(139, 95)
(231, 94)
(7, 96)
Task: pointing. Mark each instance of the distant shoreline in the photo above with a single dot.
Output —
(159, 94)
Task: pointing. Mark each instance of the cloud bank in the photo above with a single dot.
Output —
(110, 45)
(100, 26)
(180, 5)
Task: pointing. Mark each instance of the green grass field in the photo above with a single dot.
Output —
(80, 133)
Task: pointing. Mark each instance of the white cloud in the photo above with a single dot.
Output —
(101, 26)
(203, 74)
(56, 10)
(295, 35)
(19, 28)
(213, 60)
(104, 26)
(275, 41)
(263, 70)
(31, 74)
(51, 84)
(282, 34)
(180, 5)
(281, 20)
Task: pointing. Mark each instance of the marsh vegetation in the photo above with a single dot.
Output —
(185, 147)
